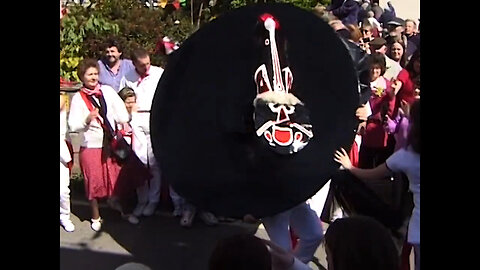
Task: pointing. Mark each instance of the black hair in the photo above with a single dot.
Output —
(240, 252)
(360, 242)
(378, 59)
(113, 42)
(409, 67)
(138, 53)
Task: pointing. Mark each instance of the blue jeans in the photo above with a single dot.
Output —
(306, 225)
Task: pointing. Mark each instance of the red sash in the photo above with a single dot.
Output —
(90, 105)
(70, 149)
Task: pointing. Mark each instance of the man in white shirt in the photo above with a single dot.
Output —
(143, 80)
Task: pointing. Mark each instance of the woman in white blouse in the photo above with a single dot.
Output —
(99, 169)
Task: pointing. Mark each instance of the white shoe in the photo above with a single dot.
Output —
(67, 225)
(187, 218)
(208, 218)
(96, 224)
(138, 209)
(132, 219)
(150, 209)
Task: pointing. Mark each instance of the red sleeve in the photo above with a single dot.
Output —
(407, 92)
(403, 76)
(390, 99)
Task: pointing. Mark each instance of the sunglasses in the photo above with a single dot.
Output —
(365, 31)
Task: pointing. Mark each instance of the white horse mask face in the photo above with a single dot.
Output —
(281, 119)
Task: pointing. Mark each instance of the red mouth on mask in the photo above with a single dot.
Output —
(283, 135)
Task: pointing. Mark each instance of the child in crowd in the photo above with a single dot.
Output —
(132, 174)
(375, 141)
(131, 133)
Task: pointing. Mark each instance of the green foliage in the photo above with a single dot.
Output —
(238, 3)
(305, 4)
(74, 31)
(85, 30)
(132, 24)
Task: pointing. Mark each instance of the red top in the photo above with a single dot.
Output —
(407, 92)
(375, 135)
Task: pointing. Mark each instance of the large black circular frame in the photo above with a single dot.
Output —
(202, 114)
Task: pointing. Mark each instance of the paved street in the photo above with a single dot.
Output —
(157, 242)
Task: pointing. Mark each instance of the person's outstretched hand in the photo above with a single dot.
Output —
(343, 159)
(281, 259)
(361, 113)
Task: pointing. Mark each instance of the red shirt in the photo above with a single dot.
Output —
(407, 92)
(375, 134)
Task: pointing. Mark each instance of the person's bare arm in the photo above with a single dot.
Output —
(376, 173)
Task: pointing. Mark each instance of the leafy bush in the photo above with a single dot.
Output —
(305, 4)
(75, 30)
(85, 29)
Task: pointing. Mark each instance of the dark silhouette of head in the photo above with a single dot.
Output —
(240, 252)
(360, 242)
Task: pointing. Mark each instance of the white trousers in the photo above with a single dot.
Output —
(150, 192)
(305, 224)
(64, 192)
